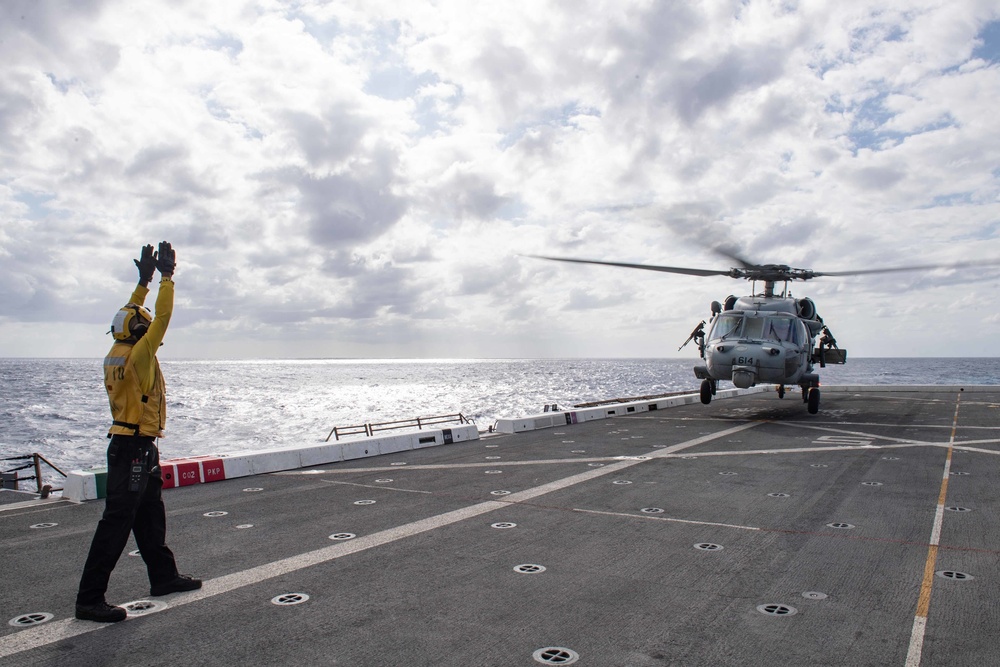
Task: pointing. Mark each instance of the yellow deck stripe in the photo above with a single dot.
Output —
(924, 601)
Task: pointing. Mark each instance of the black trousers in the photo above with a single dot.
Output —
(132, 505)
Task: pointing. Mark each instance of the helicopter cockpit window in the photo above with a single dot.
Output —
(782, 329)
(726, 325)
(753, 327)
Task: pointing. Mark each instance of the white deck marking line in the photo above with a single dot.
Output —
(49, 633)
(381, 487)
(36, 505)
(666, 518)
(445, 466)
(800, 450)
(989, 441)
(858, 434)
(976, 449)
(924, 601)
(818, 424)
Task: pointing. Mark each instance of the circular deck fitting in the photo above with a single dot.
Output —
(340, 537)
(45, 525)
(244, 526)
(492, 458)
(631, 458)
(26, 620)
(143, 607)
(728, 473)
(621, 482)
(595, 465)
(499, 493)
(776, 609)
(778, 495)
(958, 473)
(287, 599)
(215, 513)
(890, 458)
(578, 451)
(312, 472)
(569, 442)
(708, 546)
(689, 458)
(818, 465)
(651, 510)
(529, 568)
(495, 446)
(255, 489)
(954, 576)
(555, 655)
(814, 595)
(493, 472)
(841, 526)
(871, 483)
(398, 463)
(133, 553)
(364, 502)
(503, 524)
(958, 509)
(384, 480)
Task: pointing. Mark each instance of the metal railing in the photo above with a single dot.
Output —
(419, 422)
(11, 478)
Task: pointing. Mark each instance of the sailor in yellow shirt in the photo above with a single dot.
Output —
(137, 395)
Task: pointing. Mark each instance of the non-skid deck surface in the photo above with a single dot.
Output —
(746, 532)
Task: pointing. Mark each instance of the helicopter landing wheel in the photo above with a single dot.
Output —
(706, 391)
(813, 400)
(781, 391)
(715, 386)
(805, 394)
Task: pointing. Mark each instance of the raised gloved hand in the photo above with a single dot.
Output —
(165, 259)
(146, 265)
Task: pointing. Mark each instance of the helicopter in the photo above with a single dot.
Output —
(767, 337)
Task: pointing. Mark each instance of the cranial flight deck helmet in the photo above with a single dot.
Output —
(131, 321)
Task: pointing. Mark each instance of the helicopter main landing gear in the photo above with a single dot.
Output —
(813, 400)
(781, 391)
(708, 389)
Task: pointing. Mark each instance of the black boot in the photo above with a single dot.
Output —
(101, 612)
(181, 582)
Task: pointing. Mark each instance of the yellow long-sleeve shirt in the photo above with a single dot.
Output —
(132, 376)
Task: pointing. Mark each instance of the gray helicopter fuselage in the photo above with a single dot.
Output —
(762, 339)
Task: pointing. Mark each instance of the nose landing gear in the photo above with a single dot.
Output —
(708, 389)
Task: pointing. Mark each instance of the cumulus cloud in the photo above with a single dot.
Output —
(360, 177)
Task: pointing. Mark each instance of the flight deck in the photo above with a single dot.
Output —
(744, 532)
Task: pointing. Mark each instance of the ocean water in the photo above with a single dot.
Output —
(58, 408)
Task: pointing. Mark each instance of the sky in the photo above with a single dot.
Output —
(364, 178)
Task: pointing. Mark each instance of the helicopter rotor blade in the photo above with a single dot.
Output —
(646, 267)
(900, 269)
(728, 253)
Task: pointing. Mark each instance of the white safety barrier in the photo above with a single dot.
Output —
(552, 419)
(908, 388)
(90, 484)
